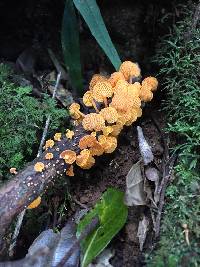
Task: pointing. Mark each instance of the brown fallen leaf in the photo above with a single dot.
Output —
(135, 194)
(142, 231)
(152, 175)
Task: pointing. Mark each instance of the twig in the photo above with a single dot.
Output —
(88, 229)
(21, 215)
(49, 117)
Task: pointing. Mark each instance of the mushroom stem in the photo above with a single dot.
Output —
(105, 101)
(95, 106)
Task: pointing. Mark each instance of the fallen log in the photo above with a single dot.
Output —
(28, 184)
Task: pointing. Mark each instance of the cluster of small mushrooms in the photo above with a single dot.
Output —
(116, 102)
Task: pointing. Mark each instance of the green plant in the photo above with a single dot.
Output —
(22, 119)
(179, 61)
(112, 213)
(70, 37)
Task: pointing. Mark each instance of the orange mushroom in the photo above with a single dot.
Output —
(69, 134)
(146, 95)
(89, 101)
(87, 141)
(151, 83)
(107, 130)
(85, 160)
(57, 137)
(49, 144)
(69, 156)
(94, 122)
(49, 156)
(35, 203)
(129, 69)
(39, 167)
(115, 77)
(121, 101)
(70, 171)
(96, 78)
(109, 114)
(96, 149)
(109, 143)
(74, 111)
(101, 91)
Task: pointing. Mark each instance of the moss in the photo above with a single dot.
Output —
(22, 119)
(179, 62)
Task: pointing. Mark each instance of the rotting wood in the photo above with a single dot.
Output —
(27, 185)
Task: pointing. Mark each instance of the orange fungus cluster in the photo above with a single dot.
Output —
(115, 102)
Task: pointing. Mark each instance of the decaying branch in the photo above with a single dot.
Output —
(27, 185)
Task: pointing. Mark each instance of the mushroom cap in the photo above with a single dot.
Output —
(136, 102)
(70, 171)
(134, 89)
(96, 149)
(115, 77)
(87, 99)
(107, 130)
(129, 69)
(109, 143)
(57, 137)
(139, 112)
(96, 78)
(39, 167)
(109, 114)
(87, 141)
(69, 156)
(102, 90)
(49, 144)
(13, 170)
(35, 203)
(133, 117)
(146, 95)
(49, 156)
(94, 122)
(74, 111)
(121, 101)
(117, 129)
(69, 134)
(151, 83)
(85, 159)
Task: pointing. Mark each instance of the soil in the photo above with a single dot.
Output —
(134, 30)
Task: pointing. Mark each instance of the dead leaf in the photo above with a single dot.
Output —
(142, 231)
(145, 149)
(135, 194)
(26, 61)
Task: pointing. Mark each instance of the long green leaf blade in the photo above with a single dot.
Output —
(92, 16)
(112, 213)
(70, 46)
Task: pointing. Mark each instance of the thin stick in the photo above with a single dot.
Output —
(88, 229)
(21, 215)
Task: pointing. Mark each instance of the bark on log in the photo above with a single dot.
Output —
(28, 184)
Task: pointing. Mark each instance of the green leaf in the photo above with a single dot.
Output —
(112, 213)
(92, 16)
(70, 46)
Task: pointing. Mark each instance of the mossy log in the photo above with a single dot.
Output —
(28, 184)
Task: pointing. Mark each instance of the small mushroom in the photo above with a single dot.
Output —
(69, 134)
(87, 141)
(85, 159)
(107, 130)
(101, 91)
(39, 167)
(49, 156)
(115, 77)
(89, 101)
(74, 111)
(13, 170)
(151, 83)
(109, 114)
(35, 203)
(109, 143)
(96, 78)
(129, 70)
(69, 156)
(49, 144)
(57, 137)
(70, 171)
(94, 122)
